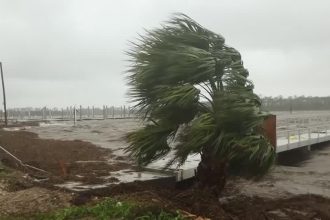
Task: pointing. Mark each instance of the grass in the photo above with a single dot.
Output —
(108, 209)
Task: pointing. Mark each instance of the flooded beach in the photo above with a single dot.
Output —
(308, 175)
(88, 158)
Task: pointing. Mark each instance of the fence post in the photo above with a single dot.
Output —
(113, 112)
(43, 113)
(67, 112)
(74, 115)
(80, 112)
(71, 113)
(106, 112)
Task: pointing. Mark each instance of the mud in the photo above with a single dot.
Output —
(196, 202)
(19, 195)
(64, 160)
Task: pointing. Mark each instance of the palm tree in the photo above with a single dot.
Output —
(192, 91)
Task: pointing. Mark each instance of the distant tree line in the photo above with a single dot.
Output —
(295, 103)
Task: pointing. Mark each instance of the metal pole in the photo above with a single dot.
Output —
(4, 95)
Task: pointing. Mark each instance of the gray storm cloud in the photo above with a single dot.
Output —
(59, 53)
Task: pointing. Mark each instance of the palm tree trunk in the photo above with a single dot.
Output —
(212, 173)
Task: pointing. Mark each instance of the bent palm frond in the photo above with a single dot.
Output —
(193, 92)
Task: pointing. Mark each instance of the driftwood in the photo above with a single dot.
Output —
(26, 166)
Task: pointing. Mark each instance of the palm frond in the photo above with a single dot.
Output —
(195, 90)
(252, 155)
(149, 143)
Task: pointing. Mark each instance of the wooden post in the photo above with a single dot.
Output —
(80, 112)
(43, 113)
(113, 111)
(269, 127)
(67, 113)
(74, 115)
(72, 112)
(4, 95)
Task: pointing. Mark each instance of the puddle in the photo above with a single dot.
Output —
(124, 176)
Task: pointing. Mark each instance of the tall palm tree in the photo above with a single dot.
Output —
(192, 90)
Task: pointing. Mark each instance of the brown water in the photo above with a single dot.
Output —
(310, 176)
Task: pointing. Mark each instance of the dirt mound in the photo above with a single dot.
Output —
(65, 160)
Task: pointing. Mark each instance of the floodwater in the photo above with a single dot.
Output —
(311, 175)
(104, 133)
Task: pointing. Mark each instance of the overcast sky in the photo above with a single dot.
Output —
(71, 52)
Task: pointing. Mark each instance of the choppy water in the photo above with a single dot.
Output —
(310, 176)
